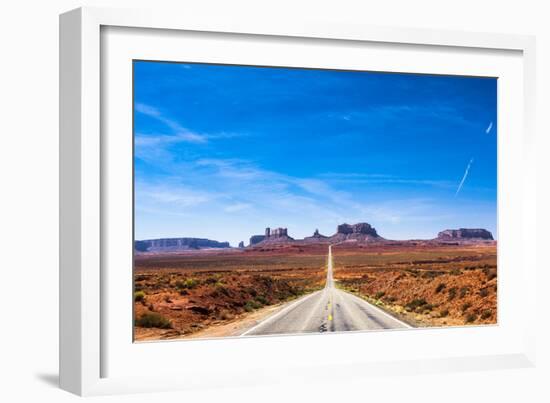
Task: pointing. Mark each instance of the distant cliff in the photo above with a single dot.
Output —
(275, 235)
(465, 234)
(177, 244)
(359, 232)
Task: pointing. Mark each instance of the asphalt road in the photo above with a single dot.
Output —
(327, 310)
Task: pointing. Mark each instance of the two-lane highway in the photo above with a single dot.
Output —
(327, 310)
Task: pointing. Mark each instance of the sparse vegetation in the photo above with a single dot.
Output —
(252, 305)
(415, 304)
(430, 286)
(139, 296)
(470, 318)
(153, 319)
(195, 291)
(187, 284)
(486, 314)
(452, 293)
(445, 278)
(440, 287)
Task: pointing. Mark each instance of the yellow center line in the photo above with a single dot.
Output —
(329, 317)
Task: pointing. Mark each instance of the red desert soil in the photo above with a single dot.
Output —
(427, 285)
(209, 293)
(177, 295)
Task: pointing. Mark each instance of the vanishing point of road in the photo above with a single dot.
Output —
(326, 310)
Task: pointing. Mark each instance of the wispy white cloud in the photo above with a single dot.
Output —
(382, 179)
(179, 133)
(171, 194)
(398, 112)
(233, 208)
(489, 128)
(466, 172)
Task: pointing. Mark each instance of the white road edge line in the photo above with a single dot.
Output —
(281, 312)
(379, 310)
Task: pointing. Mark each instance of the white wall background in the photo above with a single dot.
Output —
(29, 187)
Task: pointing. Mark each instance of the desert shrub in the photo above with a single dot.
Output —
(465, 306)
(262, 300)
(211, 280)
(390, 299)
(456, 272)
(444, 313)
(440, 287)
(470, 318)
(139, 296)
(224, 314)
(452, 293)
(486, 314)
(432, 274)
(415, 304)
(427, 307)
(379, 294)
(483, 292)
(189, 284)
(252, 305)
(153, 319)
(491, 274)
(464, 291)
(223, 289)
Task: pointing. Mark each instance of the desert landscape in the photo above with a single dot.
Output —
(426, 285)
(255, 188)
(182, 290)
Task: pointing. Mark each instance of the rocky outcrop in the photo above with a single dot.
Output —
(358, 232)
(177, 244)
(465, 234)
(360, 228)
(255, 239)
(316, 237)
(275, 235)
(241, 244)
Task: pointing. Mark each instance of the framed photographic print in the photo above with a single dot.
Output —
(258, 193)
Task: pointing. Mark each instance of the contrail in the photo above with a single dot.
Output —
(464, 177)
(489, 128)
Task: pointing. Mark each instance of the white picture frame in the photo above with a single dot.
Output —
(88, 349)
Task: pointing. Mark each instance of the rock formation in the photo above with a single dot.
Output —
(275, 235)
(254, 239)
(357, 232)
(465, 234)
(241, 244)
(177, 244)
(316, 237)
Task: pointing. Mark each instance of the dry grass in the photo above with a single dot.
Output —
(196, 290)
(428, 286)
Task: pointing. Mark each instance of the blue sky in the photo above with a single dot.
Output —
(222, 152)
